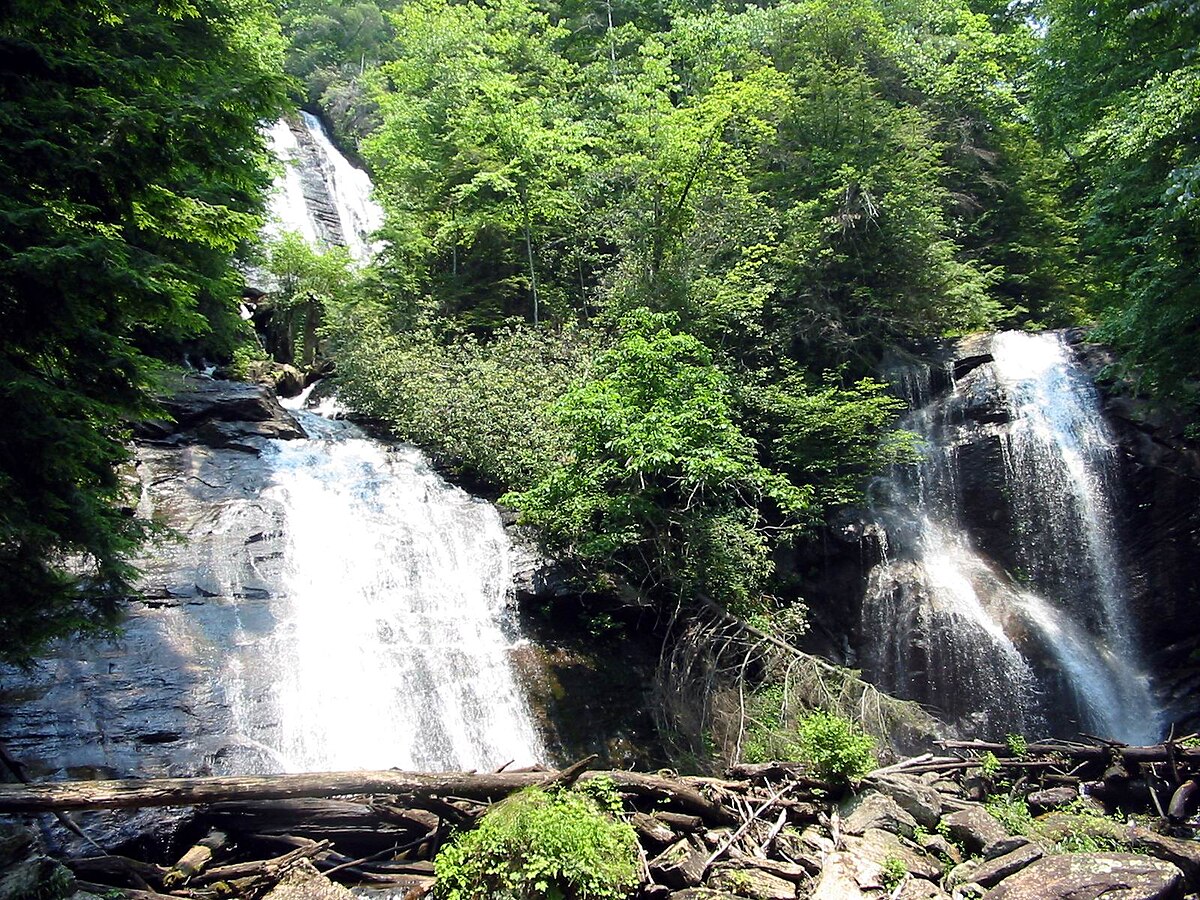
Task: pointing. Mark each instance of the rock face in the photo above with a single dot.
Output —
(221, 414)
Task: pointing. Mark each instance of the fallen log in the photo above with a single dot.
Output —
(1154, 753)
(416, 786)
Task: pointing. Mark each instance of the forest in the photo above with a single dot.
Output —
(643, 266)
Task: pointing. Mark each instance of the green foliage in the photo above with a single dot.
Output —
(894, 872)
(989, 766)
(1017, 744)
(835, 746)
(1012, 813)
(657, 478)
(485, 406)
(538, 844)
(131, 165)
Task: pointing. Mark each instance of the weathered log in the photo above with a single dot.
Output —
(196, 859)
(271, 868)
(112, 866)
(1153, 753)
(485, 787)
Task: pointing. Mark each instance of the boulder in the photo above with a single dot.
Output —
(936, 845)
(1051, 798)
(999, 848)
(991, 872)
(843, 879)
(700, 893)
(753, 883)
(878, 846)
(304, 882)
(974, 828)
(1091, 876)
(912, 795)
(679, 866)
(1184, 854)
(920, 889)
(875, 810)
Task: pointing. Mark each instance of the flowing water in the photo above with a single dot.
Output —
(321, 195)
(1031, 634)
(391, 637)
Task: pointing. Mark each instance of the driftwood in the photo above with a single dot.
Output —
(1109, 751)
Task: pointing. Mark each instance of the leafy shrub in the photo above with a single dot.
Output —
(1012, 814)
(836, 747)
(894, 871)
(560, 845)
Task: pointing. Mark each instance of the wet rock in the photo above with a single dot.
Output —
(974, 828)
(993, 871)
(191, 401)
(752, 883)
(868, 811)
(1051, 798)
(1090, 876)
(916, 798)
(679, 866)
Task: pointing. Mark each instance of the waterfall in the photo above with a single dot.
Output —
(1000, 595)
(321, 195)
(391, 637)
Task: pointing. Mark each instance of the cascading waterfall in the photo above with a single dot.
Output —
(321, 194)
(1031, 639)
(389, 646)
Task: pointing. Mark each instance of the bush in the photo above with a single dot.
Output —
(559, 845)
(836, 747)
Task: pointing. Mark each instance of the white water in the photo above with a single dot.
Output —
(317, 177)
(390, 647)
(1015, 650)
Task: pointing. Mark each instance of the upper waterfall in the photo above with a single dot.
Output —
(321, 195)
(1003, 602)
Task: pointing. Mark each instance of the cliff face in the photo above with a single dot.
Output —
(1160, 530)
(1154, 505)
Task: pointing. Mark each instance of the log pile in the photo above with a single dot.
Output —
(771, 831)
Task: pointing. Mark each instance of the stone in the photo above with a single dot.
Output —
(1051, 798)
(936, 845)
(992, 871)
(794, 872)
(1183, 854)
(752, 883)
(1006, 845)
(679, 866)
(840, 880)
(973, 828)
(700, 893)
(874, 810)
(912, 795)
(192, 399)
(304, 882)
(879, 846)
(963, 873)
(1092, 876)
(920, 889)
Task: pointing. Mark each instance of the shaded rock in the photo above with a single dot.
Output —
(879, 846)
(25, 872)
(1090, 876)
(993, 871)
(752, 883)
(936, 845)
(679, 866)
(789, 871)
(999, 848)
(192, 400)
(963, 873)
(873, 810)
(304, 882)
(703, 894)
(974, 828)
(916, 798)
(1051, 798)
